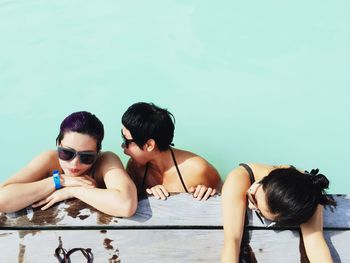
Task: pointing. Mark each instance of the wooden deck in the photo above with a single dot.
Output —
(179, 229)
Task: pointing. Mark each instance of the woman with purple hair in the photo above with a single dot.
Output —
(77, 169)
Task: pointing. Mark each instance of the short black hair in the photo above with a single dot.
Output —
(294, 196)
(82, 122)
(147, 121)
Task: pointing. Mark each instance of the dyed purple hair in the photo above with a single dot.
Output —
(82, 122)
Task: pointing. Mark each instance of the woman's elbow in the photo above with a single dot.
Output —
(130, 208)
(3, 204)
(2, 208)
(130, 204)
(5, 208)
(126, 209)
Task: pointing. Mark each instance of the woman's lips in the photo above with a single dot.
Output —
(74, 171)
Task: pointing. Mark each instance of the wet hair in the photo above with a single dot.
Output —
(147, 121)
(294, 196)
(82, 122)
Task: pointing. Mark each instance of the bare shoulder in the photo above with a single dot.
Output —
(197, 170)
(46, 156)
(237, 182)
(234, 189)
(198, 165)
(135, 167)
(107, 161)
(135, 171)
(45, 161)
(281, 166)
(109, 156)
(107, 165)
(38, 168)
(191, 160)
(262, 170)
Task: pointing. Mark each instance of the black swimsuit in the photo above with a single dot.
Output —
(250, 172)
(177, 169)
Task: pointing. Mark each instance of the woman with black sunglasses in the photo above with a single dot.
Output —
(280, 195)
(77, 169)
(156, 167)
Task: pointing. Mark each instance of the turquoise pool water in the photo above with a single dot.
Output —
(247, 82)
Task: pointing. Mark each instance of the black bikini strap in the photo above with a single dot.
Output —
(250, 172)
(144, 176)
(178, 171)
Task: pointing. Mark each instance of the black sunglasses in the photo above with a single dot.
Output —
(67, 154)
(126, 142)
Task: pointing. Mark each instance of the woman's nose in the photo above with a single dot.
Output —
(75, 161)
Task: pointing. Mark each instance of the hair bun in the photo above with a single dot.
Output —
(318, 180)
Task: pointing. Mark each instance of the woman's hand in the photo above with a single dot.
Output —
(83, 180)
(55, 197)
(201, 192)
(68, 183)
(158, 191)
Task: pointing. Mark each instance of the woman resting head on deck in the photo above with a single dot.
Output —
(77, 169)
(279, 195)
(155, 166)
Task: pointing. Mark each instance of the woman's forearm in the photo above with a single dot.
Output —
(318, 251)
(109, 201)
(230, 252)
(14, 197)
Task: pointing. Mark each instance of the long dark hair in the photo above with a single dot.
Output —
(294, 196)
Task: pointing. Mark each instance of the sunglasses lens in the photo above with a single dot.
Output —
(65, 154)
(87, 158)
(126, 142)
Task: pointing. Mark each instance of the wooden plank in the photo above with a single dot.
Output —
(129, 246)
(339, 217)
(179, 210)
